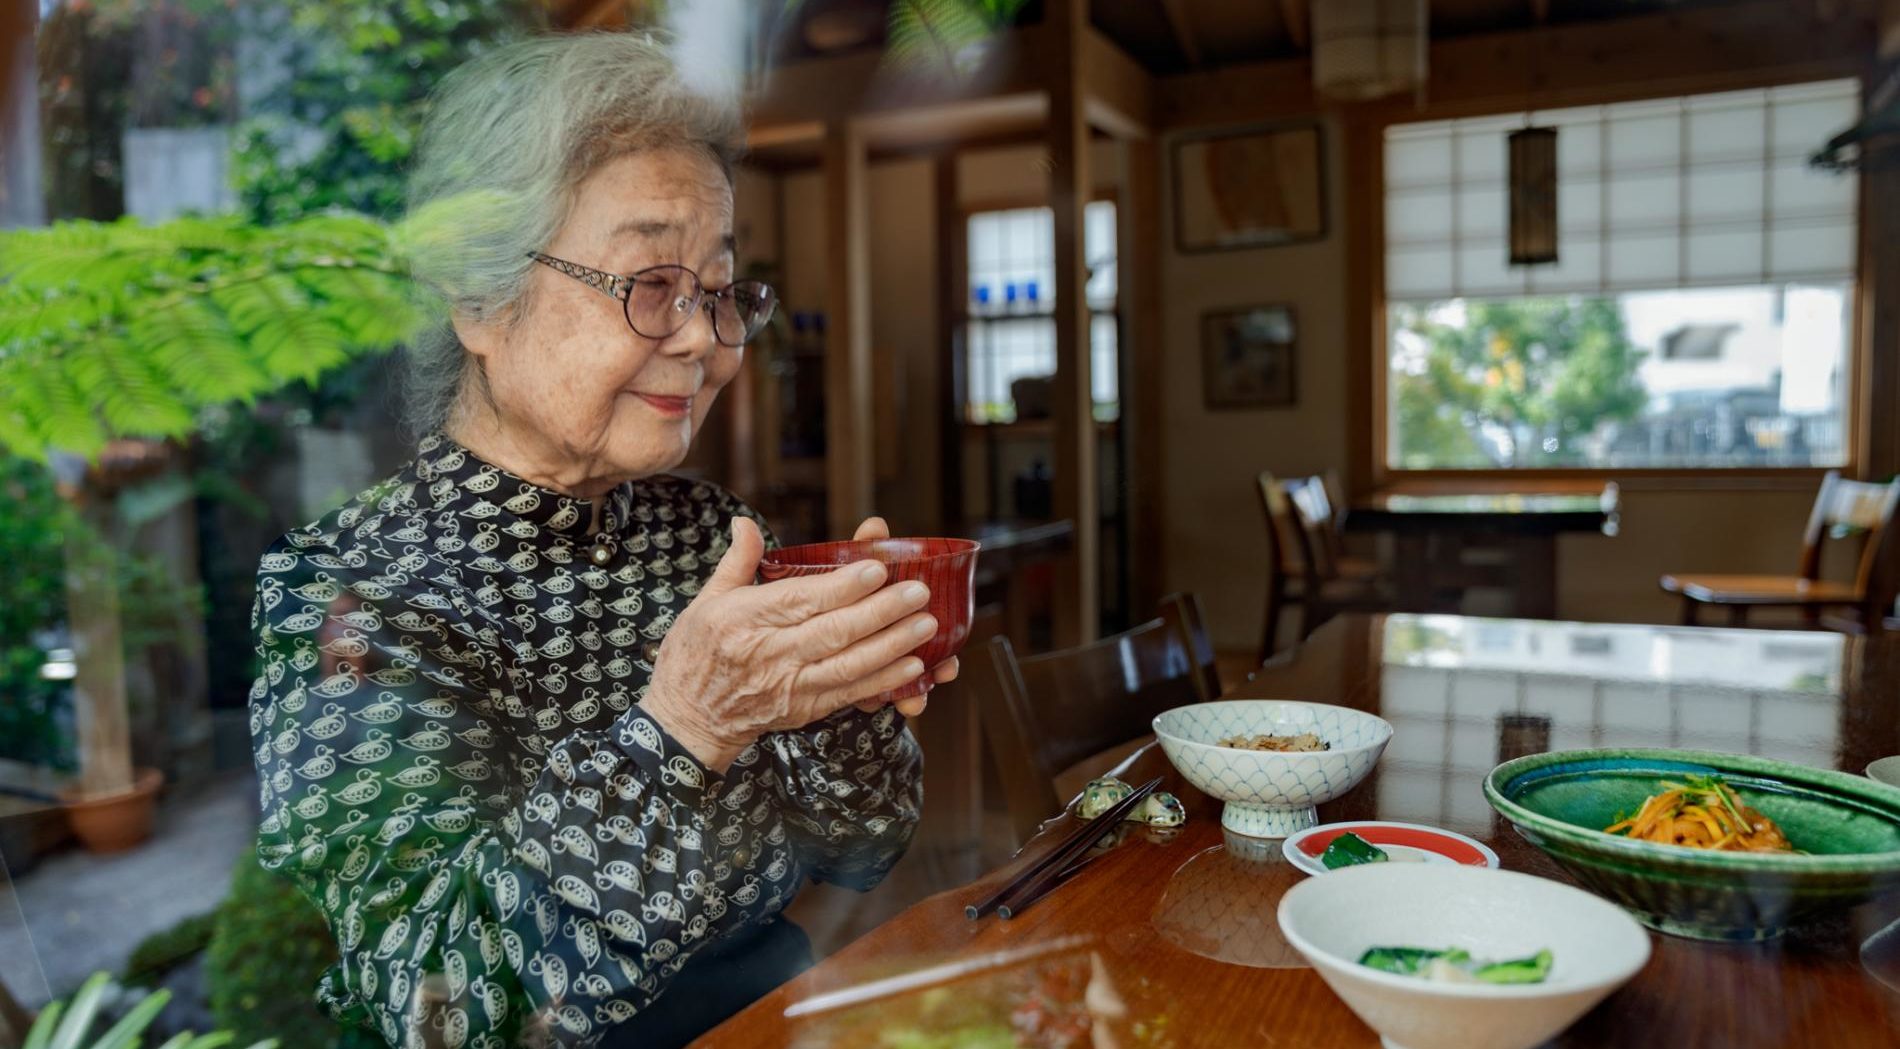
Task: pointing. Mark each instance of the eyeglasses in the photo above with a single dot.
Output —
(659, 300)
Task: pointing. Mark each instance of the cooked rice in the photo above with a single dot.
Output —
(1303, 742)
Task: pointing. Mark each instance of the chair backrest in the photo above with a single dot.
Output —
(1283, 527)
(1849, 509)
(1335, 490)
(1318, 535)
(1045, 713)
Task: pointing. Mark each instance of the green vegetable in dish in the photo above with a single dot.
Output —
(1407, 961)
(1535, 969)
(1351, 850)
(1456, 966)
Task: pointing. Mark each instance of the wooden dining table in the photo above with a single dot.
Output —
(1169, 938)
(1447, 543)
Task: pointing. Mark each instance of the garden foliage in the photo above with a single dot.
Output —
(124, 330)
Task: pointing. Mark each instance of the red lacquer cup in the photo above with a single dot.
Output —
(946, 566)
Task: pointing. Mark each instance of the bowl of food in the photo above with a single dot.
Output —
(1272, 761)
(1457, 957)
(1706, 845)
(946, 566)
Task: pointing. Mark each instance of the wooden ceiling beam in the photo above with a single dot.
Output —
(1682, 52)
(594, 14)
(1118, 94)
(1176, 10)
(832, 89)
(1294, 14)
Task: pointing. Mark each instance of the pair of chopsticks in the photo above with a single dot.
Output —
(1060, 862)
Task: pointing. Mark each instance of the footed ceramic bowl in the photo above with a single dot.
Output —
(1846, 827)
(1271, 794)
(1496, 915)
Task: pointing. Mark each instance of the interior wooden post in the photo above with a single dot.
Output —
(1138, 233)
(1878, 331)
(1880, 386)
(849, 481)
(952, 294)
(21, 200)
(1364, 212)
(1077, 479)
(1880, 290)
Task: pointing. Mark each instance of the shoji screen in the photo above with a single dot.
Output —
(1703, 190)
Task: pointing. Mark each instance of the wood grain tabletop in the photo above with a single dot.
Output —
(1170, 938)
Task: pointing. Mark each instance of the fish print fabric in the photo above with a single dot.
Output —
(456, 769)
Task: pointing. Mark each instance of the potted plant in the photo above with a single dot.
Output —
(68, 588)
(116, 603)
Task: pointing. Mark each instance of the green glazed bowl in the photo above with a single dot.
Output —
(1848, 827)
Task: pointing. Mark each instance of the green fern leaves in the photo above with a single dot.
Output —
(123, 330)
(942, 37)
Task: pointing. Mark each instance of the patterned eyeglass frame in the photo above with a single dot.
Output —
(617, 287)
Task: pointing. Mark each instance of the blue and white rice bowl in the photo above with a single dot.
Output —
(1271, 794)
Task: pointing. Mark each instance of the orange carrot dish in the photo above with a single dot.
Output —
(1703, 813)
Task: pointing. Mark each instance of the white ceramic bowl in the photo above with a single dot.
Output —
(1885, 770)
(1271, 794)
(1495, 915)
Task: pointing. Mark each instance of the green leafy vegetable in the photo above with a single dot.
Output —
(1406, 961)
(1351, 850)
(1534, 969)
(1455, 965)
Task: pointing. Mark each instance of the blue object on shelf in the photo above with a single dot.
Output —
(1029, 291)
(1009, 292)
(983, 294)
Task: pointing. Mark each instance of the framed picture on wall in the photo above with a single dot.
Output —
(1247, 358)
(1252, 188)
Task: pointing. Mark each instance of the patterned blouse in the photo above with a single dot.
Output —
(455, 766)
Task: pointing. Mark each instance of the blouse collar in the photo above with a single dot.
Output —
(441, 461)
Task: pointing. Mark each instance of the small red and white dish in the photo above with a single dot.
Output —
(1401, 842)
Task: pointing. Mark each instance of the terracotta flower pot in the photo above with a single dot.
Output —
(115, 822)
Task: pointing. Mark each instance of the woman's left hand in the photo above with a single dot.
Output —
(942, 673)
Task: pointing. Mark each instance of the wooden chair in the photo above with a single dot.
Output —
(1843, 510)
(1286, 574)
(1316, 502)
(1306, 562)
(1045, 714)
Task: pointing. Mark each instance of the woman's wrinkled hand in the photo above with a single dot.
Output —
(743, 659)
(942, 673)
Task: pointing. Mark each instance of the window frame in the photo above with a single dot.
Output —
(1366, 187)
(960, 317)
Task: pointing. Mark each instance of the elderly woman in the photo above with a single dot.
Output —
(529, 734)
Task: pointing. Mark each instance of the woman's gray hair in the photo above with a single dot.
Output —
(507, 139)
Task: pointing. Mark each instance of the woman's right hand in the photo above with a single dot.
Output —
(743, 660)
